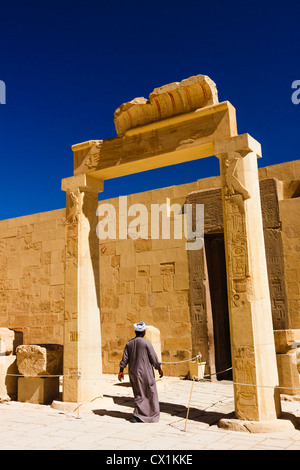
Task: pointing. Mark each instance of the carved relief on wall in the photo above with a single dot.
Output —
(213, 223)
(92, 159)
(233, 187)
(2, 246)
(245, 373)
(198, 303)
(87, 159)
(274, 252)
(237, 252)
(74, 206)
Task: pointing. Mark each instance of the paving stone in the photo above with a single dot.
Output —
(38, 427)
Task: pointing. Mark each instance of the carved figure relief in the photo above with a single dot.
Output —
(237, 254)
(89, 159)
(74, 207)
(93, 157)
(234, 189)
(245, 373)
(234, 186)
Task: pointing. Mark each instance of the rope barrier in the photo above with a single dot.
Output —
(39, 376)
(201, 379)
(78, 376)
(186, 360)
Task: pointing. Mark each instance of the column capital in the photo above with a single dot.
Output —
(83, 183)
(243, 143)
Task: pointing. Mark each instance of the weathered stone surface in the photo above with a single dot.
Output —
(82, 330)
(35, 360)
(39, 390)
(8, 379)
(286, 423)
(251, 333)
(9, 340)
(32, 276)
(179, 139)
(166, 101)
(288, 362)
(289, 210)
(285, 339)
(153, 335)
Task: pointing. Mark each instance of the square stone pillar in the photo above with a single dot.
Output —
(82, 334)
(251, 328)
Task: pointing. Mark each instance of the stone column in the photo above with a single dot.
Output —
(251, 329)
(82, 334)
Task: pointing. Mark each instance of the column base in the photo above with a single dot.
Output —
(99, 403)
(286, 422)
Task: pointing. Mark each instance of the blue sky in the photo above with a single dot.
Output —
(68, 65)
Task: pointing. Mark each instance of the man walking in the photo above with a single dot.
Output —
(141, 357)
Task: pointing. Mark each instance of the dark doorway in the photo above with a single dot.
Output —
(216, 267)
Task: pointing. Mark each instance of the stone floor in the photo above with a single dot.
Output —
(105, 425)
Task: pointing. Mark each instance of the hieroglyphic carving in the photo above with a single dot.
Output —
(269, 203)
(2, 246)
(198, 303)
(213, 223)
(237, 253)
(245, 373)
(213, 212)
(274, 254)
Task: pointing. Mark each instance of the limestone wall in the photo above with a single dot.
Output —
(289, 207)
(289, 211)
(146, 280)
(32, 276)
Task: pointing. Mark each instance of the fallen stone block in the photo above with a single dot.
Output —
(44, 359)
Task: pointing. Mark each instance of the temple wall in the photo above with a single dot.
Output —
(139, 279)
(146, 280)
(290, 210)
(32, 276)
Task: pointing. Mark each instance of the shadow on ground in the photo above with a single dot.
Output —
(177, 411)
